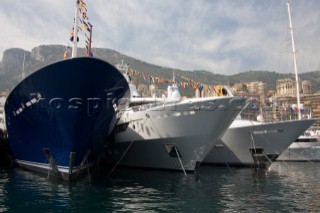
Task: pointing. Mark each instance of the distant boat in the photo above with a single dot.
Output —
(59, 117)
(168, 133)
(253, 143)
(306, 148)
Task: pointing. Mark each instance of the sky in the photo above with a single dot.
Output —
(221, 36)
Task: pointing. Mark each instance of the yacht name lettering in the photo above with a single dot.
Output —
(92, 105)
(257, 132)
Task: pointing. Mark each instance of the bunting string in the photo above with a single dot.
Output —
(186, 83)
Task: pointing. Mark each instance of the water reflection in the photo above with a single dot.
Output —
(248, 189)
(284, 187)
(26, 191)
(3, 182)
(143, 190)
(302, 184)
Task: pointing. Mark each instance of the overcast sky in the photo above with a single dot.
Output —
(220, 36)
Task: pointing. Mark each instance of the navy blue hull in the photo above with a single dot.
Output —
(67, 107)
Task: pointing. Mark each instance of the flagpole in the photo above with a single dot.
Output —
(75, 30)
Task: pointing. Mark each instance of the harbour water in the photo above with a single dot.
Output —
(284, 187)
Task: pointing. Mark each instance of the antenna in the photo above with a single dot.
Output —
(173, 77)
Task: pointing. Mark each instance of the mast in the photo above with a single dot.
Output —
(75, 30)
(294, 61)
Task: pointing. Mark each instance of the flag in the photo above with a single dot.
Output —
(84, 16)
(151, 79)
(144, 77)
(206, 87)
(301, 108)
(294, 108)
(200, 87)
(65, 55)
(86, 26)
(194, 87)
(83, 5)
(87, 42)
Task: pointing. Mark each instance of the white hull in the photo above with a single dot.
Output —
(239, 147)
(173, 137)
(301, 152)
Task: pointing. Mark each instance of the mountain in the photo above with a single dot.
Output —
(16, 61)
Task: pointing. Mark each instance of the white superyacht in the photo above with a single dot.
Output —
(170, 133)
(253, 143)
(249, 143)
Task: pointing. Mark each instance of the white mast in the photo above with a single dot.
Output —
(294, 61)
(75, 30)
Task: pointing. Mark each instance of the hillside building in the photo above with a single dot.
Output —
(256, 87)
(287, 87)
(307, 88)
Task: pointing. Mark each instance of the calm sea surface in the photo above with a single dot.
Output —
(284, 187)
